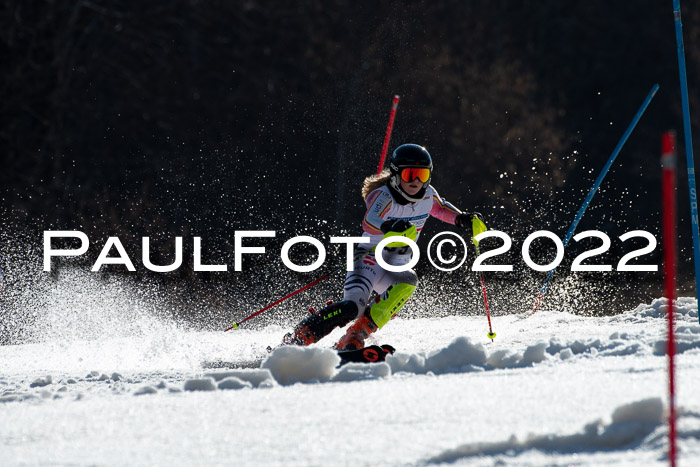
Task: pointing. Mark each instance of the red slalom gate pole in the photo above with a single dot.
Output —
(387, 136)
(668, 189)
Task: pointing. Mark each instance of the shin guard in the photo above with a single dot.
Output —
(390, 302)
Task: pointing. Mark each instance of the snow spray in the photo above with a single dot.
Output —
(594, 188)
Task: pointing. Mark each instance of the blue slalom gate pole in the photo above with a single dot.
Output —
(688, 145)
(594, 189)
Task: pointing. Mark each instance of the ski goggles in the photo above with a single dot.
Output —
(410, 173)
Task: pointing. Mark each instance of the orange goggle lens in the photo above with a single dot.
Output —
(410, 174)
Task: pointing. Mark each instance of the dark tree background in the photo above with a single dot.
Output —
(189, 118)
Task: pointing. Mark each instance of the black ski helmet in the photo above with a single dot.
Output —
(409, 155)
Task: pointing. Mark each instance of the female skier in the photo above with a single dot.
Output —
(399, 201)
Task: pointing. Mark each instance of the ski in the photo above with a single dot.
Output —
(370, 354)
(231, 365)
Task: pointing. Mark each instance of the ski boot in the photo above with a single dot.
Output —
(379, 313)
(356, 334)
(320, 323)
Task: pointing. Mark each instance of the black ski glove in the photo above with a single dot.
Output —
(464, 220)
(395, 225)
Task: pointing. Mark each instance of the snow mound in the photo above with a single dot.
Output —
(255, 377)
(202, 384)
(458, 357)
(685, 307)
(681, 346)
(16, 397)
(464, 356)
(618, 345)
(234, 383)
(644, 411)
(289, 365)
(41, 382)
(145, 390)
(509, 359)
(631, 424)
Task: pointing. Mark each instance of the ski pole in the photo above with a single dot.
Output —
(307, 286)
(387, 136)
(478, 227)
(593, 190)
(491, 335)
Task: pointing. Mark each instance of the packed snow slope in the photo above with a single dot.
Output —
(552, 389)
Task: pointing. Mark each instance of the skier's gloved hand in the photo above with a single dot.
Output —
(395, 225)
(464, 220)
